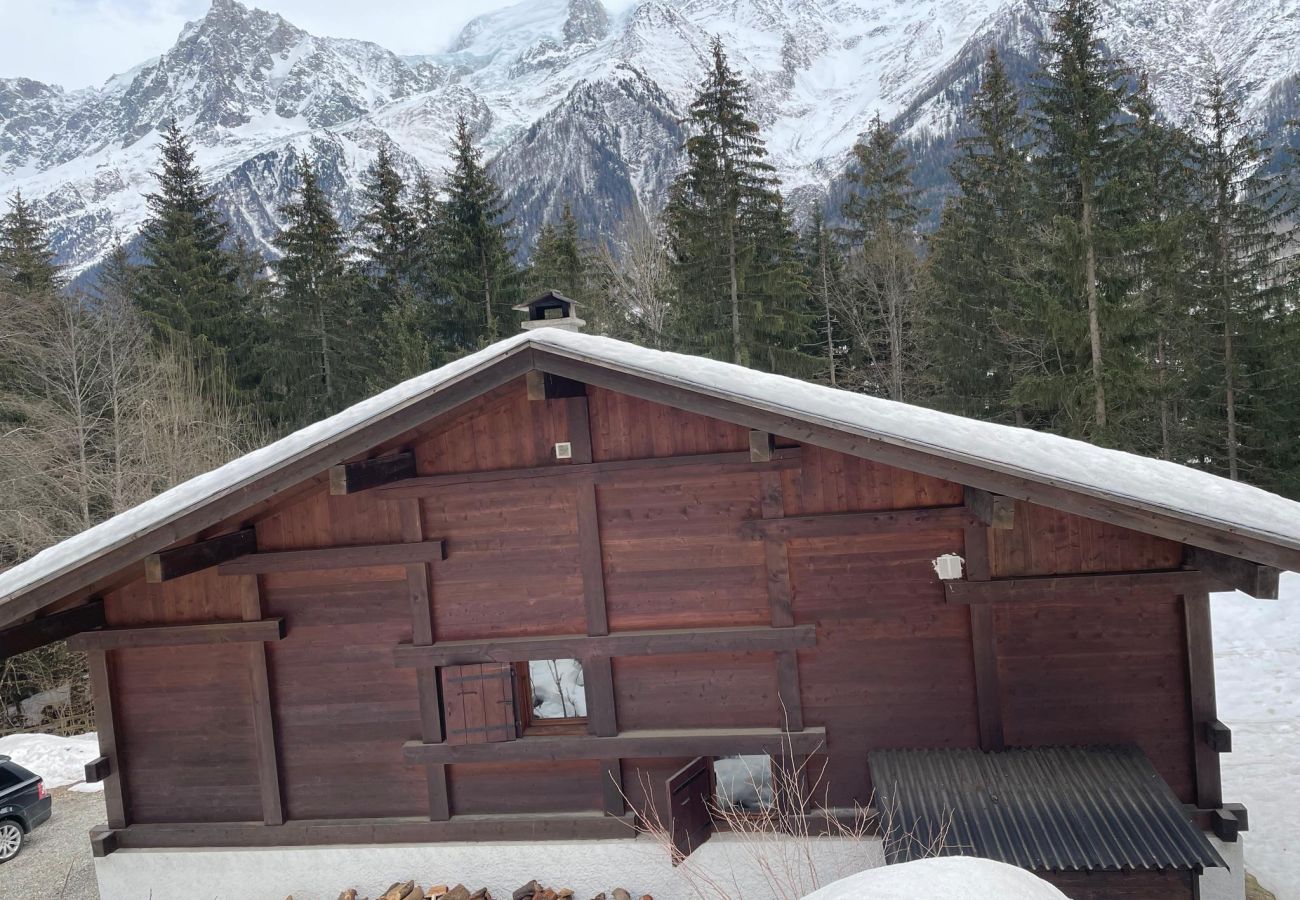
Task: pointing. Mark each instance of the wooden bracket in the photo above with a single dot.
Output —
(1218, 736)
(1248, 577)
(994, 510)
(103, 842)
(545, 386)
(1225, 824)
(174, 563)
(353, 477)
(98, 769)
(179, 635)
(762, 446)
(54, 627)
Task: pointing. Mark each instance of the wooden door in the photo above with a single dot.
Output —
(690, 799)
(478, 703)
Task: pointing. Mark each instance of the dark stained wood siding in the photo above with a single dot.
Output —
(1138, 885)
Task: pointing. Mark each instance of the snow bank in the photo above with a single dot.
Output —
(58, 760)
(1257, 670)
(943, 878)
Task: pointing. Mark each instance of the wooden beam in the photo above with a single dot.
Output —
(602, 714)
(651, 743)
(169, 564)
(993, 510)
(1219, 736)
(98, 769)
(268, 764)
(106, 729)
(515, 827)
(762, 445)
(103, 841)
(1073, 589)
(1200, 678)
(734, 639)
(353, 477)
(48, 629)
(984, 645)
(544, 386)
(611, 781)
(1148, 518)
(349, 557)
(850, 524)
(600, 472)
(1241, 574)
(590, 560)
(1225, 825)
(179, 635)
(780, 597)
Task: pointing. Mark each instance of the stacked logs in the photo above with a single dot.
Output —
(533, 890)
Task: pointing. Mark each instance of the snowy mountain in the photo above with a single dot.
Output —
(575, 104)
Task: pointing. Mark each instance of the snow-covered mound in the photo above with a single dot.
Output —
(1257, 670)
(945, 878)
(58, 760)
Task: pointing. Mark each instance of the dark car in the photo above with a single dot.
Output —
(24, 804)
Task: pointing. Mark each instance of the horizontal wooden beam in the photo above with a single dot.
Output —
(405, 830)
(98, 769)
(48, 629)
(664, 742)
(1242, 574)
(599, 471)
(994, 510)
(849, 524)
(353, 477)
(1075, 588)
(169, 564)
(103, 841)
(1218, 736)
(336, 558)
(544, 386)
(1204, 818)
(180, 635)
(623, 643)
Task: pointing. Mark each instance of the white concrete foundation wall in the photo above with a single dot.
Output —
(1229, 883)
(726, 867)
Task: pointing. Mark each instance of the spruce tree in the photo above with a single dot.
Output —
(739, 289)
(187, 280)
(978, 255)
(824, 274)
(26, 257)
(386, 228)
(479, 271)
(881, 305)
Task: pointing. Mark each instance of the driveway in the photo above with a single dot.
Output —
(56, 861)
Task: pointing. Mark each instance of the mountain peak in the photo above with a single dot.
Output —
(587, 22)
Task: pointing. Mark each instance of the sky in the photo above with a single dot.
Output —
(76, 43)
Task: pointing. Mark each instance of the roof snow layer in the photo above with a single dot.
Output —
(1112, 475)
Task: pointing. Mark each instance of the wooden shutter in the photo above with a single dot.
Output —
(690, 796)
(479, 703)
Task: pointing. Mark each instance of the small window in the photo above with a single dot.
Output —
(8, 779)
(744, 783)
(552, 695)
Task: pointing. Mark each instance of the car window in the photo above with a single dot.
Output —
(9, 778)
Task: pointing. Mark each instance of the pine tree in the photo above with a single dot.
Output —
(386, 228)
(187, 281)
(977, 258)
(880, 308)
(1077, 118)
(26, 258)
(738, 282)
(824, 274)
(480, 274)
(560, 260)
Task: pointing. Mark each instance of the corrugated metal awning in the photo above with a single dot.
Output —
(1044, 808)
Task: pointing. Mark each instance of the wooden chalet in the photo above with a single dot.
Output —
(328, 641)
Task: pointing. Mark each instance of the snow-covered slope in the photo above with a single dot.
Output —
(580, 105)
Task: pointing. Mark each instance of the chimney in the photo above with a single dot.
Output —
(551, 310)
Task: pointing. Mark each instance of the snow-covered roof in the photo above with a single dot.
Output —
(1154, 486)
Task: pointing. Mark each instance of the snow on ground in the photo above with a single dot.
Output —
(58, 760)
(944, 878)
(1257, 670)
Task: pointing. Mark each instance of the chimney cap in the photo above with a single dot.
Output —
(551, 309)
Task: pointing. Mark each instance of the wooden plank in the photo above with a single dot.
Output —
(611, 781)
(776, 554)
(598, 677)
(103, 841)
(1219, 736)
(590, 559)
(627, 744)
(762, 446)
(169, 564)
(755, 638)
(1200, 677)
(1151, 519)
(518, 827)
(350, 557)
(180, 635)
(613, 470)
(993, 510)
(544, 386)
(101, 692)
(579, 418)
(98, 769)
(47, 629)
(787, 690)
(1241, 574)
(268, 766)
(1073, 589)
(984, 649)
(849, 524)
(354, 477)
(690, 790)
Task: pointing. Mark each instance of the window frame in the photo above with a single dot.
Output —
(528, 723)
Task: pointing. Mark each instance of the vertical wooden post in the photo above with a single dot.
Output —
(781, 597)
(419, 586)
(984, 650)
(1200, 682)
(115, 804)
(268, 768)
